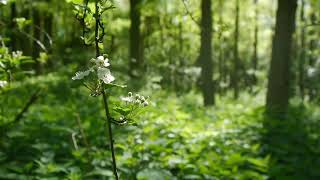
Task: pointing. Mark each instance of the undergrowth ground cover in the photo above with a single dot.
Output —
(176, 139)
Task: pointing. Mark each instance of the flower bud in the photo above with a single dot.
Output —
(145, 103)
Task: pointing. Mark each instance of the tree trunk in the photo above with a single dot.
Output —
(135, 60)
(37, 36)
(255, 44)
(47, 34)
(279, 75)
(205, 56)
(13, 42)
(48, 21)
(302, 57)
(220, 57)
(26, 42)
(235, 77)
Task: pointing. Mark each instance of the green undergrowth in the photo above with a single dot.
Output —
(175, 139)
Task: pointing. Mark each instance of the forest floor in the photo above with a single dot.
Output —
(175, 139)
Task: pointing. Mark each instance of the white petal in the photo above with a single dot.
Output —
(102, 71)
(127, 99)
(106, 63)
(81, 74)
(105, 75)
(100, 58)
(99, 61)
(108, 79)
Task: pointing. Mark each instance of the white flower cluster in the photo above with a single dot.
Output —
(100, 66)
(136, 99)
(3, 84)
(16, 54)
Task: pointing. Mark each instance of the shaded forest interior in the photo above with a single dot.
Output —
(159, 89)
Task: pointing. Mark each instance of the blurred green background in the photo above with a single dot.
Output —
(233, 86)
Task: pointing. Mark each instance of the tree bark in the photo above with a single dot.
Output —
(135, 60)
(13, 41)
(302, 57)
(255, 44)
(279, 74)
(207, 85)
(236, 65)
(220, 57)
(26, 42)
(37, 36)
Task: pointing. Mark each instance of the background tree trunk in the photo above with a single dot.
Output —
(235, 77)
(13, 11)
(302, 57)
(279, 75)
(205, 57)
(37, 36)
(135, 60)
(221, 53)
(255, 44)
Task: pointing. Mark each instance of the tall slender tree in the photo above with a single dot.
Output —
(205, 57)
(220, 40)
(236, 65)
(13, 9)
(36, 19)
(255, 42)
(26, 42)
(48, 22)
(302, 56)
(135, 56)
(279, 75)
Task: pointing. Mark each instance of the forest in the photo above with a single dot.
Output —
(160, 89)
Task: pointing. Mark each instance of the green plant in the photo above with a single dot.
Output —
(98, 78)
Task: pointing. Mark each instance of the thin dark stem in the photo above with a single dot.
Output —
(31, 100)
(105, 101)
(189, 13)
(114, 164)
(97, 29)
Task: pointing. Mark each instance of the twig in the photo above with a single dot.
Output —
(189, 13)
(36, 40)
(83, 135)
(45, 33)
(31, 100)
(74, 140)
(42, 46)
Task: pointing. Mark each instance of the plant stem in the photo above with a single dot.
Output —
(105, 101)
(114, 165)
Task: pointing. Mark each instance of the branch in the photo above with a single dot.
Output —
(26, 107)
(83, 135)
(34, 39)
(189, 13)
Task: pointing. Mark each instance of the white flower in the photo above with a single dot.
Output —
(137, 99)
(127, 99)
(145, 103)
(105, 75)
(106, 62)
(17, 54)
(101, 61)
(3, 84)
(81, 74)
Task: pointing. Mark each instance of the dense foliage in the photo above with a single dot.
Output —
(71, 68)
